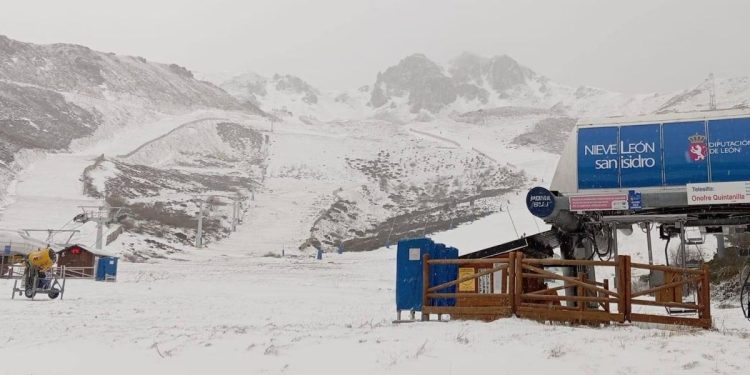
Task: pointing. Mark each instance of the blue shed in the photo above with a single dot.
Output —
(409, 272)
(106, 269)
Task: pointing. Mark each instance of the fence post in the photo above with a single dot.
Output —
(511, 285)
(626, 276)
(621, 295)
(425, 285)
(518, 288)
(606, 287)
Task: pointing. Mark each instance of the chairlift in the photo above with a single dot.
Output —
(689, 236)
(693, 236)
(689, 296)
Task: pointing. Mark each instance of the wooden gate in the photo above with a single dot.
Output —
(592, 303)
(485, 306)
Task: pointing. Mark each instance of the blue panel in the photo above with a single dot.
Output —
(437, 272)
(409, 272)
(443, 273)
(112, 267)
(729, 142)
(640, 155)
(451, 273)
(685, 153)
(101, 269)
(598, 158)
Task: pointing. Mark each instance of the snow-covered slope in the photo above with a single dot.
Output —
(54, 95)
(78, 69)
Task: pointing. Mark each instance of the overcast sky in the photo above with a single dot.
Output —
(631, 46)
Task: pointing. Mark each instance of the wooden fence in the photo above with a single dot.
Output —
(592, 303)
(16, 271)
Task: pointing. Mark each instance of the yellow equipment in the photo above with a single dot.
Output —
(39, 277)
(42, 259)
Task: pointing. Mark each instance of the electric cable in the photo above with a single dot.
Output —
(745, 293)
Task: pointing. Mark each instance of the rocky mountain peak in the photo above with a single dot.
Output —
(296, 85)
(254, 87)
(498, 72)
(417, 77)
(469, 76)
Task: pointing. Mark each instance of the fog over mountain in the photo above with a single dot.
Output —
(340, 44)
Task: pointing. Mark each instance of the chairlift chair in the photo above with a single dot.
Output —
(693, 236)
(688, 293)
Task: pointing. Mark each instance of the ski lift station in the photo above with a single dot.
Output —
(684, 176)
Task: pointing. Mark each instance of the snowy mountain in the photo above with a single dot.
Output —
(468, 83)
(469, 87)
(51, 95)
(291, 98)
(79, 70)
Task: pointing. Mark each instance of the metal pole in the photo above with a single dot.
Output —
(511, 221)
(199, 234)
(721, 250)
(685, 291)
(235, 210)
(615, 246)
(648, 241)
(568, 247)
(615, 250)
(388, 241)
(683, 260)
(100, 229)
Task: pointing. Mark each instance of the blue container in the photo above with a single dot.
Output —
(106, 269)
(409, 272)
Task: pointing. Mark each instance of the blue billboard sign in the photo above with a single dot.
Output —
(640, 156)
(685, 153)
(729, 143)
(598, 158)
(668, 154)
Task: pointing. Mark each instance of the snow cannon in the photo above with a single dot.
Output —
(39, 276)
(42, 259)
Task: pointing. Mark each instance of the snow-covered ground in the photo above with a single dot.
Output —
(228, 309)
(237, 307)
